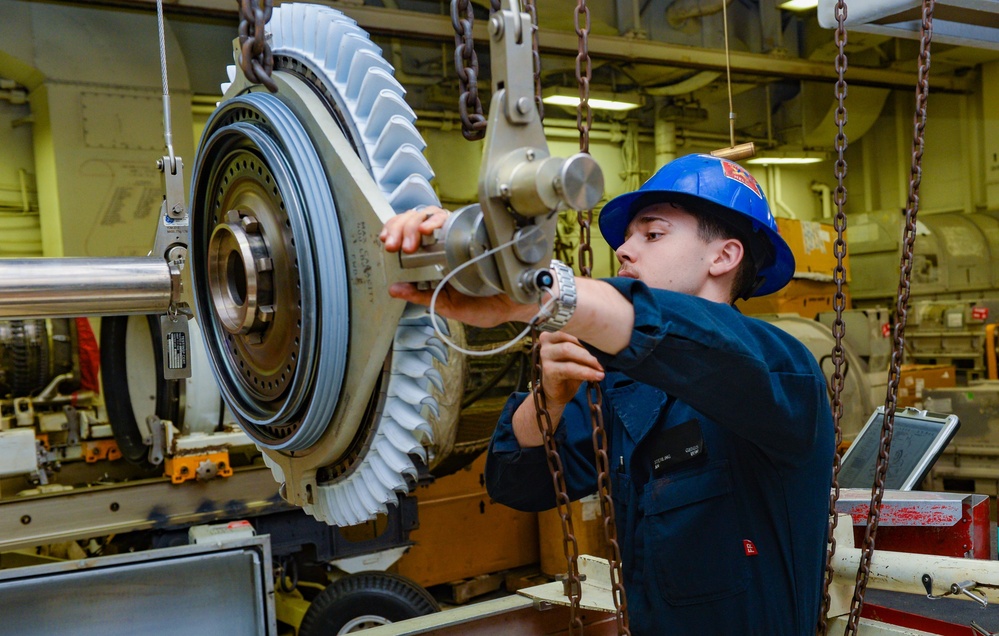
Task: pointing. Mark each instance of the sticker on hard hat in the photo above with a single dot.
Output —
(740, 174)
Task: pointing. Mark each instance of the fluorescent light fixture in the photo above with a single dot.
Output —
(797, 5)
(601, 100)
(788, 158)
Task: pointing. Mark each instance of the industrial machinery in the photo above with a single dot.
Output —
(954, 281)
(288, 193)
(340, 386)
(48, 413)
(55, 419)
(344, 390)
(948, 257)
(282, 273)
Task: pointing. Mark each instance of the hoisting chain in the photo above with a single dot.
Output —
(593, 400)
(594, 397)
(909, 239)
(839, 304)
(570, 547)
(256, 58)
(466, 64)
(584, 73)
(533, 11)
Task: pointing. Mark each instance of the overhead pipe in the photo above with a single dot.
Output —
(682, 10)
(665, 136)
(558, 128)
(825, 194)
(699, 135)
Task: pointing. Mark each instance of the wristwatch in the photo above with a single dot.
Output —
(565, 302)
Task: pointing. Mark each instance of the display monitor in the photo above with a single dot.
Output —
(918, 438)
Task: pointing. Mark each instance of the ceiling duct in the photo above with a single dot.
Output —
(809, 119)
(689, 85)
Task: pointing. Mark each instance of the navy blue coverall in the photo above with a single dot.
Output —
(721, 441)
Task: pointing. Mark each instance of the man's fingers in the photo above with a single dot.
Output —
(411, 235)
(569, 351)
(554, 337)
(404, 231)
(572, 371)
(409, 293)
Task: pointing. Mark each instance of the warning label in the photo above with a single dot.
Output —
(176, 350)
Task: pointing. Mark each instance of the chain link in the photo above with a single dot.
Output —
(255, 57)
(473, 128)
(570, 546)
(594, 397)
(584, 73)
(584, 120)
(466, 64)
(909, 238)
(839, 303)
(533, 11)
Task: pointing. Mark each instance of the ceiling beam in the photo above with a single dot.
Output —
(427, 26)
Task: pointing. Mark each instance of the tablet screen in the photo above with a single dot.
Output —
(918, 439)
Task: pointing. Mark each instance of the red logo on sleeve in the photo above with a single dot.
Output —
(749, 547)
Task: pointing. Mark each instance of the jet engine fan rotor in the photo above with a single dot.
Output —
(338, 384)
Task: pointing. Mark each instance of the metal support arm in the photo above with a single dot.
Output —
(521, 186)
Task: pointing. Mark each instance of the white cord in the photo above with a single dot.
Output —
(468, 352)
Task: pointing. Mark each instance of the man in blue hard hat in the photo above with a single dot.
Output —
(719, 430)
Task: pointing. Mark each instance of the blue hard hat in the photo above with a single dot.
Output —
(723, 189)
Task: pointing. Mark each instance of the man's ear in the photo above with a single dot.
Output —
(726, 257)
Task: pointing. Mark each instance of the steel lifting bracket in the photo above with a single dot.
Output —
(521, 186)
(567, 584)
(171, 238)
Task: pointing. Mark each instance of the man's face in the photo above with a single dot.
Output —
(662, 249)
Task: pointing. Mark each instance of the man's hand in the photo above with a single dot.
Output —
(566, 364)
(405, 232)
(603, 317)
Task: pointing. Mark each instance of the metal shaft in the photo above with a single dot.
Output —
(67, 287)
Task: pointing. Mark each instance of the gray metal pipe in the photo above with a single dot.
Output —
(67, 287)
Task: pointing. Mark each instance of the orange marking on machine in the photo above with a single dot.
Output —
(96, 450)
(181, 468)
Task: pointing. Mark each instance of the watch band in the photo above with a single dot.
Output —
(565, 302)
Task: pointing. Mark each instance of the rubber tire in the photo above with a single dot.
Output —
(383, 594)
(114, 374)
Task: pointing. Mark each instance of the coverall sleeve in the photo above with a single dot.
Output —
(746, 375)
(519, 477)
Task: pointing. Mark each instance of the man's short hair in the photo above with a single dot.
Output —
(709, 228)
